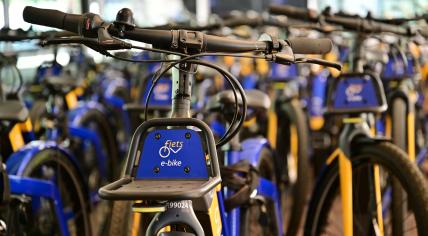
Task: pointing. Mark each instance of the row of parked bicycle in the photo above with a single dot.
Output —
(326, 139)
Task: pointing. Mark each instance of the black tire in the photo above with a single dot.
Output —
(121, 218)
(108, 141)
(72, 189)
(259, 219)
(295, 188)
(96, 121)
(389, 158)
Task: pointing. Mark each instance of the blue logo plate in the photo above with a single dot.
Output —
(172, 154)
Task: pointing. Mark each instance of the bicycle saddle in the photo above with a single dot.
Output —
(13, 110)
(256, 99)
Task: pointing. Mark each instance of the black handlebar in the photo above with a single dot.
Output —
(88, 25)
(230, 22)
(211, 43)
(367, 26)
(12, 35)
(310, 46)
(389, 25)
(350, 23)
(294, 12)
(54, 19)
(390, 21)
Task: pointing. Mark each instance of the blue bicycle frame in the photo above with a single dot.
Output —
(251, 149)
(36, 188)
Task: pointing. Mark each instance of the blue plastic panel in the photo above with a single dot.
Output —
(395, 68)
(172, 154)
(282, 72)
(319, 88)
(356, 93)
(250, 81)
(162, 93)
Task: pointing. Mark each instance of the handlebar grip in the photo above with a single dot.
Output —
(222, 44)
(367, 26)
(53, 18)
(310, 46)
(293, 12)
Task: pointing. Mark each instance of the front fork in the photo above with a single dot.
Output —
(176, 211)
(353, 127)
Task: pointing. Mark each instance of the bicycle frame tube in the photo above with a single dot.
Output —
(225, 226)
(353, 127)
(411, 143)
(90, 135)
(16, 138)
(233, 217)
(345, 173)
(272, 127)
(345, 176)
(41, 188)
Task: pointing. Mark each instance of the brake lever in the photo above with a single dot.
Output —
(282, 58)
(288, 59)
(317, 61)
(67, 40)
(101, 46)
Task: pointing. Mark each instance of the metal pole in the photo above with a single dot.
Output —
(85, 5)
(6, 13)
(203, 11)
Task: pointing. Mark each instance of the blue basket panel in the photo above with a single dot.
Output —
(356, 93)
(396, 68)
(172, 154)
(162, 93)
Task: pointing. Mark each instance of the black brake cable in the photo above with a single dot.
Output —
(159, 51)
(232, 129)
(178, 54)
(233, 83)
(138, 61)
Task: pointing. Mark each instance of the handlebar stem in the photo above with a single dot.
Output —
(182, 80)
(358, 52)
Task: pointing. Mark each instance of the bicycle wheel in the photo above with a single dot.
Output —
(121, 218)
(95, 121)
(324, 213)
(259, 218)
(292, 149)
(53, 165)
